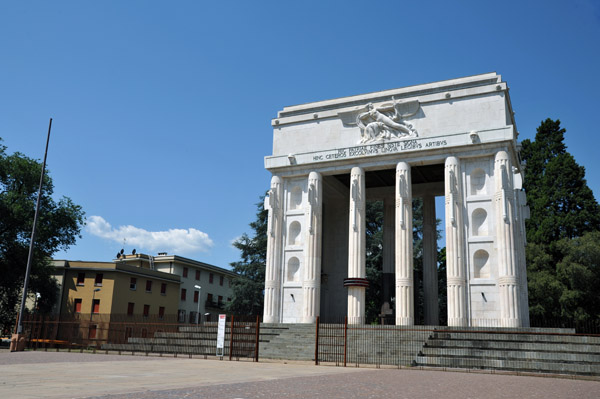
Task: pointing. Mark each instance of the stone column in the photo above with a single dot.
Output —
(430, 273)
(356, 281)
(274, 204)
(508, 278)
(311, 285)
(404, 247)
(388, 249)
(521, 214)
(455, 261)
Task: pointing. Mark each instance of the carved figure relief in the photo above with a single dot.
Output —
(384, 122)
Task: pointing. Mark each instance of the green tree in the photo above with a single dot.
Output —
(59, 225)
(561, 203)
(374, 259)
(249, 286)
(562, 231)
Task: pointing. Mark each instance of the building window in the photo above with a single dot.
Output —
(209, 299)
(77, 305)
(197, 274)
(96, 306)
(146, 310)
(220, 300)
(163, 289)
(210, 278)
(185, 272)
(133, 283)
(148, 285)
(130, 307)
(80, 278)
(220, 280)
(228, 299)
(183, 293)
(98, 281)
(196, 296)
(92, 331)
(161, 312)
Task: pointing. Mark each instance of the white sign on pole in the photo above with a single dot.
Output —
(221, 334)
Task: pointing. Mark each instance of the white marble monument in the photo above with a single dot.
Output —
(455, 138)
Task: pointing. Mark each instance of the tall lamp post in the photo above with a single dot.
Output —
(199, 300)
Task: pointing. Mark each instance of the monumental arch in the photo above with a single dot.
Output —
(455, 138)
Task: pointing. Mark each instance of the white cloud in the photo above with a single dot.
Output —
(175, 241)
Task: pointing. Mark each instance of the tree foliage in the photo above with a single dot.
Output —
(248, 287)
(59, 225)
(563, 248)
(561, 203)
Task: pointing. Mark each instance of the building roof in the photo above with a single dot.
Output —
(121, 267)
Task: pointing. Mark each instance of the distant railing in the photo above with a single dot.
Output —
(147, 334)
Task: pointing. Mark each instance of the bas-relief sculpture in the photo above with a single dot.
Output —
(384, 122)
(471, 123)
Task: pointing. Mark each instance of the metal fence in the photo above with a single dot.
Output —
(146, 334)
(553, 347)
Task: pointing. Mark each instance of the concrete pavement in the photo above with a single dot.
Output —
(75, 375)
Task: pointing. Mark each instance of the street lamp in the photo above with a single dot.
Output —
(199, 299)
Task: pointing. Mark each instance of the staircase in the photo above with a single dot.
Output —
(524, 350)
(287, 341)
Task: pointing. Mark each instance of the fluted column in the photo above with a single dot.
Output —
(508, 277)
(455, 261)
(388, 249)
(521, 214)
(273, 203)
(430, 274)
(356, 281)
(311, 285)
(404, 247)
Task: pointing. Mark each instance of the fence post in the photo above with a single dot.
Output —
(317, 342)
(231, 338)
(345, 338)
(257, 342)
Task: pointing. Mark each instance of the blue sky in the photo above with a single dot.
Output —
(162, 110)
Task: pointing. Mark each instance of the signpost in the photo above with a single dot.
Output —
(221, 335)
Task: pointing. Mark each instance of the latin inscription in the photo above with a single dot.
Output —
(378, 149)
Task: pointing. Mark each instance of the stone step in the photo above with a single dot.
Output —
(513, 354)
(514, 345)
(510, 365)
(553, 338)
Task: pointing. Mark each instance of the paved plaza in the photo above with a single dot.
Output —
(77, 375)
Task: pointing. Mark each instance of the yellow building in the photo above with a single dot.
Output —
(115, 288)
